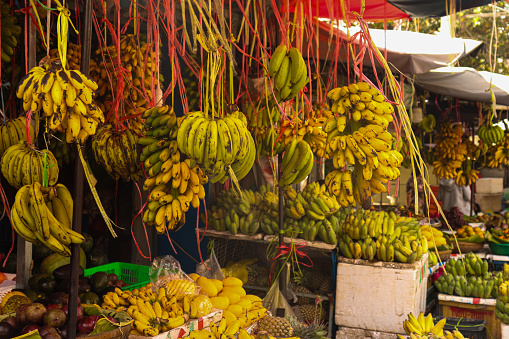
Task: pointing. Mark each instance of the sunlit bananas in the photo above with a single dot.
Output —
(138, 69)
(289, 72)
(175, 183)
(215, 144)
(64, 97)
(15, 130)
(450, 151)
(490, 134)
(73, 56)
(466, 176)
(297, 163)
(116, 151)
(11, 33)
(498, 154)
(23, 165)
(310, 130)
(424, 326)
(44, 215)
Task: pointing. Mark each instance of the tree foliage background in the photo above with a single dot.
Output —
(477, 24)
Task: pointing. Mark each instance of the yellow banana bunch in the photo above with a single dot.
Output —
(175, 183)
(138, 71)
(218, 145)
(423, 326)
(450, 151)
(13, 131)
(179, 288)
(66, 99)
(297, 163)
(289, 72)
(309, 130)
(467, 175)
(23, 165)
(116, 151)
(447, 335)
(498, 154)
(73, 55)
(44, 215)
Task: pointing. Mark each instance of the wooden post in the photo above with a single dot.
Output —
(86, 31)
(282, 260)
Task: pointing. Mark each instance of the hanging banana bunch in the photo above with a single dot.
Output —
(498, 154)
(466, 175)
(73, 56)
(450, 152)
(361, 148)
(289, 72)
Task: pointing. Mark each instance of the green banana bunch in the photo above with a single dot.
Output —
(502, 305)
(428, 123)
(289, 72)
(432, 258)
(11, 33)
(471, 286)
(490, 134)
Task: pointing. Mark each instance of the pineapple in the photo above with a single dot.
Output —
(324, 286)
(311, 313)
(275, 326)
(314, 330)
(257, 276)
(297, 288)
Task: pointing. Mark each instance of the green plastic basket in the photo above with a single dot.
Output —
(134, 275)
(500, 249)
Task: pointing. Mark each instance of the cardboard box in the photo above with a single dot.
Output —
(489, 185)
(489, 201)
(473, 308)
(379, 296)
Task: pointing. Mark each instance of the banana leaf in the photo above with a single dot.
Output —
(104, 324)
(475, 239)
(494, 237)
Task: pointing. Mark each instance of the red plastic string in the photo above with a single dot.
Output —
(285, 250)
(143, 223)
(198, 235)
(169, 239)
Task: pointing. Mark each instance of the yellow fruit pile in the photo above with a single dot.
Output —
(469, 231)
(434, 236)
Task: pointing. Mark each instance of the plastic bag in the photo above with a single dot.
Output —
(164, 270)
(238, 269)
(213, 269)
(275, 299)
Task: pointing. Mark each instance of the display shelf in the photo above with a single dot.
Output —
(260, 238)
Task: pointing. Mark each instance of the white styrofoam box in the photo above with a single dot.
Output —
(378, 296)
(489, 201)
(489, 185)
(504, 331)
(360, 333)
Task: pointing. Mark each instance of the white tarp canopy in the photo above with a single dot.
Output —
(408, 52)
(466, 83)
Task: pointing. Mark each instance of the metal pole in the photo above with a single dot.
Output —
(79, 181)
(24, 249)
(282, 274)
(472, 185)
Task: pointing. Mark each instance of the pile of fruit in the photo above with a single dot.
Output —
(381, 235)
(424, 328)
(435, 238)
(470, 234)
(361, 142)
(51, 320)
(502, 306)
(469, 278)
(309, 214)
(498, 153)
(454, 218)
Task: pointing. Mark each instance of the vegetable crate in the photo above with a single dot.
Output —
(134, 275)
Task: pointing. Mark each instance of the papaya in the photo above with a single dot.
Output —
(57, 260)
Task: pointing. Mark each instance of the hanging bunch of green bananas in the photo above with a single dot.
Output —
(11, 32)
(23, 165)
(490, 134)
(361, 142)
(498, 154)
(61, 149)
(43, 215)
(73, 56)
(175, 183)
(450, 151)
(428, 123)
(65, 97)
(116, 151)
(217, 144)
(289, 72)
(12, 132)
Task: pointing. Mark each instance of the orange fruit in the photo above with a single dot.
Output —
(2, 277)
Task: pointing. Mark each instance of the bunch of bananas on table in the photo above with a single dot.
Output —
(139, 73)
(66, 97)
(289, 72)
(380, 235)
(116, 151)
(174, 182)
(423, 327)
(450, 151)
(11, 32)
(13, 131)
(362, 142)
(466, 174)
(215, 144)
(43, 215)
(22, 165)
(490, 134)
(498, 154)
(434, 236)
(297, 163)
(73, 56)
